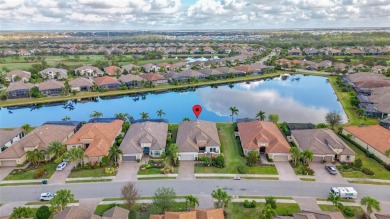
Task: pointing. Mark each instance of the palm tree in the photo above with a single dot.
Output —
(96, 114)
(75, 155)
(123, 116)
(56, 149)
(387, 153)
(267, 213)
(160, 113)
(222, 197)
(35, 156)
(27, 128)
(62, 199)
(186, 119)
(335, 199)
(234, 111)
(144, 115)
(114, 152)
(191, 201)
(21, 212)
(66, 118)
(307, 156)
(295, 154)
(371, 204)
(260, 115)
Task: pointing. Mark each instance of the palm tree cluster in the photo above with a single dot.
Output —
(297, 155)
(54, 150)
(222, 198)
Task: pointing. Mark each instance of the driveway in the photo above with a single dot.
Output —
(59, 177)
(286, 172)
(323, 176)
(308, 204)
(7, 208)
(127, 172)
(90, 204)
(5, 171)
(186, 170)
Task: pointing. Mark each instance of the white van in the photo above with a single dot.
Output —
(344, 192)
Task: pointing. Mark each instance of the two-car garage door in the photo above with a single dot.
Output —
(183, 156)
(129, 158)
(280, 158)
(8, 163)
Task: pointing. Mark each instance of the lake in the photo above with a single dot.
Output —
(298, 98)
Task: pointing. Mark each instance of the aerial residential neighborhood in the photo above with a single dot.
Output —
(194, 109)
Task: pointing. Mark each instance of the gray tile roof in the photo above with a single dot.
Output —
(7, 135)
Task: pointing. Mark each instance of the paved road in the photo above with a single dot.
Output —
(194, 187)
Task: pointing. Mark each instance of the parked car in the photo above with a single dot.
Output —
(47, 196)
(331, 169)
(61, 166)
(237, 178)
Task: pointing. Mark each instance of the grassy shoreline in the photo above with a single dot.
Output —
(27, 101)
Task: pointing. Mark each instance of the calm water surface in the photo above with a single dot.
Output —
(296, 99)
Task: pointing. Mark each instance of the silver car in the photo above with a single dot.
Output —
(61, 166)
(331, 169)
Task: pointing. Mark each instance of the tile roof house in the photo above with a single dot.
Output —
(116, 213)
(227, 70)
(88, 71)
(264, 137)
(81, 84)
(113, 70)
(19, 89)
(39, 138)
(192, 214)
(96, 139)
(54, 73)
(148, 138)
(154, 78)
(130, 68)
(23, 75)
(373, 138)
(212, 72)
(318, 215)
(75, 212)
(51, 87)
(107, 82)
(196, 138)
(324, 143)
(294, 52)
(131, 80)
(10, 136)
(150, 68)
(187, 74)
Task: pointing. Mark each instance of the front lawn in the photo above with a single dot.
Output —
(359, 212)
(237, 210)
(96, 172)
(379, 170)
(152, 171)
(29, 173)
(233, 155)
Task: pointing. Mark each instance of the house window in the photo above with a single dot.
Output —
(348, 158)
(157, 153)
(213, 150)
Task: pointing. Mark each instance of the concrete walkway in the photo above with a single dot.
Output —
(7, 208)
(205, 201)
(368, 180)
(286, 172)
(233, 175)
(5, 171)
(308, 204)
(186, 170)
(59, 177)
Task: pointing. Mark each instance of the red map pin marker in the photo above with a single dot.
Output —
(197, 109)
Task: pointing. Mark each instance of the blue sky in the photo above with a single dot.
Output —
(191, 14)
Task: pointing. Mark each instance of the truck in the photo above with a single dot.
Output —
(344, 192)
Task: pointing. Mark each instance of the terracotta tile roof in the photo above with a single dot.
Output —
(7, 135)
(147, 132)
(320, 141)
(244, 68)
(105, 80)
(41, 137)
(190, 132)
(193, 214)
(102, 134)
(111, 70)
(116, 213)
(255, 131)
(374, 135)
(152, 77)
(210, 213)
(20, 85)
(51, 84)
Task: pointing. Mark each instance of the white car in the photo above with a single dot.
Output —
(61, 166)
(47, 196)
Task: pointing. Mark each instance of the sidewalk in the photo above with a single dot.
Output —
(368, 180)
(233, 175)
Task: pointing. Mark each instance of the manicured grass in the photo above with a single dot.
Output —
(156, 178)
(136, 213)
(21, 184)
(89, 181)
(308, 179)
(368, 182)
(237, 210)
(97, 172)
(233, 155)
(152, 171)
(46, 202)
(263, 197)
(260, 178)
(85, 94)
(379, 170)
(30, 172)
(344, 98)
(357, 209)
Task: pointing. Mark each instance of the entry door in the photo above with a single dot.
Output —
(146, 150)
